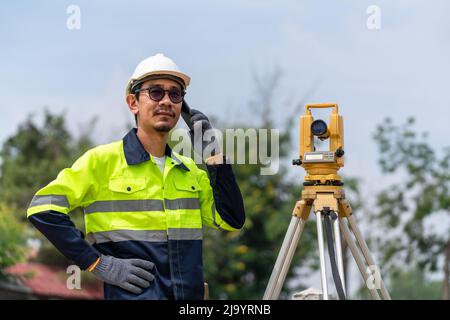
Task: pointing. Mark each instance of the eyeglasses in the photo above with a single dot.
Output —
(158, 93)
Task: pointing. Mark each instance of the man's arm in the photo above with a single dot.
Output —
(49, 213)
(221, 201)
(226, 192)
(50, 207)
(62, 233)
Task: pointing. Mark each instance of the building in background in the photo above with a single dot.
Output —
(31, 280)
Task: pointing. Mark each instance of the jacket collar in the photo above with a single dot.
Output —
(135, 153)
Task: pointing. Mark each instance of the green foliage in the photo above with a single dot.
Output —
(408, 209)
(12, 240)
(34, 155)
(409, 284)
(238, 265)
(413, 285)
(32, 158)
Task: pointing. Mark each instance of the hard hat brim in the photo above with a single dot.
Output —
(184, 78)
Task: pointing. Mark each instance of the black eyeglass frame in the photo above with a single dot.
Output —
(182, 93)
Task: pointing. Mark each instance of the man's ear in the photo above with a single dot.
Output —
(132, 103)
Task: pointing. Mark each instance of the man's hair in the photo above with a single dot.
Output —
(136, 94)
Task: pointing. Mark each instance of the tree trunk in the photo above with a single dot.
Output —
(446, 283)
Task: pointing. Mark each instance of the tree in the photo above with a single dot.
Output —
(238, 265)
(34, 155)
(415, 209)
(12, 240)
(353, 195)
(412, 285)
(31, 158)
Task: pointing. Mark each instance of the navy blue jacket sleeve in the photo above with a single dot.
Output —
(227, 195)
(62, 233)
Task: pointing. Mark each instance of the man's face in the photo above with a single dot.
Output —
(159, 116)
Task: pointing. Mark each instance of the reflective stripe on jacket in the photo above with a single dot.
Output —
(132, 210)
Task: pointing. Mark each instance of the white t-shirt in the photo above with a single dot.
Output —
(160, 161)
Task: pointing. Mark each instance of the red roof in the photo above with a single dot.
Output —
(50, 282)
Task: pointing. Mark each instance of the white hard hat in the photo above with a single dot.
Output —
(157, 65)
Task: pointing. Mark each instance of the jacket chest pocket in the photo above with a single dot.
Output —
(127, 187)
(187, 187)
(185, 195)
(133, 209)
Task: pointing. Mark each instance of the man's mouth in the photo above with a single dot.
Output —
(164, 113)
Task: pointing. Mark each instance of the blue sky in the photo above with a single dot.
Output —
(401, 70)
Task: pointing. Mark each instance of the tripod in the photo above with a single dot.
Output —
(329, 204)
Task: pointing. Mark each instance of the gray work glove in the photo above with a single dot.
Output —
(201, 124)
(129, 274)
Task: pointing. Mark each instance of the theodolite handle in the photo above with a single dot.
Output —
(322, 106)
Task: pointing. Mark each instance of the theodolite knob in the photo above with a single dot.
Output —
(339, 152)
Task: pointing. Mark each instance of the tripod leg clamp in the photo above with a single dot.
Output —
(302, 209)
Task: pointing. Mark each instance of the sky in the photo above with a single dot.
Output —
(401, 69)
(398, 70)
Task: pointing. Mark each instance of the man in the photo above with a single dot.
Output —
(144, 204)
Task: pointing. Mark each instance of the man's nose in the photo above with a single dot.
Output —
(165, 101)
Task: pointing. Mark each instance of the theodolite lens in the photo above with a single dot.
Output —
(319, 128)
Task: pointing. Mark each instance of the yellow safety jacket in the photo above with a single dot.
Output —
(132, 210)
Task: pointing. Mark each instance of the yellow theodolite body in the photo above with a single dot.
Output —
(322, 166)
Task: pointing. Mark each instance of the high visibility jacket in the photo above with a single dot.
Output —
(132, 210)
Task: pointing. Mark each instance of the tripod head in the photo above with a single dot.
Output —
(321, 166)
